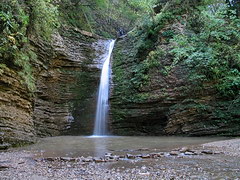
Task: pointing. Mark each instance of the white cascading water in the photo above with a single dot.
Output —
(100, 127)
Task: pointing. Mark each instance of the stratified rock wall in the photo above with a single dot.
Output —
(67, 74)
(164, 103)
(153, 90)
(67, 88)
(144, 109)
(16, 109)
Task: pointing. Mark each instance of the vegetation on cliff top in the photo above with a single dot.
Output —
(19, 20)
(211, 49)
(102, 17)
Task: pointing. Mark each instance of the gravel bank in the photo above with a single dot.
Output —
(229, 147)
(216, 163)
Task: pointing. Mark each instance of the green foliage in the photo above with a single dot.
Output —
(17, 19)
(102, 17)
(24, 58)
(168, 34)
(44, 18)
(228, 112)
(73, 17)
(140, 76)
(212, 53)
(145, 5)
(145, 47)
(229, 85)
(193, 40)
(101, 3)
(3, 67)
(145, 56)
(14, 46)
(153, 59)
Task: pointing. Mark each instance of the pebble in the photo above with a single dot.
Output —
(4, 146)
(145, 174)
(87, 160)
(174, 153)
(164, 168)
(115, 157)
(218, 152)
(145, 156)
(183, 149)
(67, 159)
(143, 149)
(50, 158)
(108, 154)
(98, 160)
(154, 155)
(188, 153)
(207, 152)
(122, 156)
(130, 156)
(4, 166)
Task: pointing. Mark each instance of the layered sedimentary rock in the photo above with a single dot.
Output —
(154, 92)
(148, 101)
(66, 94)
(16, 109)
(67, 75)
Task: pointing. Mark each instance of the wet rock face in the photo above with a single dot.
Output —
(167, 103)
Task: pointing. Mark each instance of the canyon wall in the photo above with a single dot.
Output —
(16, 110)
(167, 84)
(67, 76)
(49, 69)
(165, 104)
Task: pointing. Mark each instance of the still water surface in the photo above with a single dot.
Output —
(75, 146)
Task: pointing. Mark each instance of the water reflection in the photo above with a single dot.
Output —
(101, 144)
(77, 146)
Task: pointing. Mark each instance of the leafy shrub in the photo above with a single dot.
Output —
(44, 18)
(213, 53)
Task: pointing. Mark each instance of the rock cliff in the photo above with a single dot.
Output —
(66, 86)
(16, 110)
(165, 104)
(66, 83)
(153, 93)
(49, 67)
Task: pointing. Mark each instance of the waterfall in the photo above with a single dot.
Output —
(100, 127)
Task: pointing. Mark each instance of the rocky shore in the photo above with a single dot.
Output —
(215, 160)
